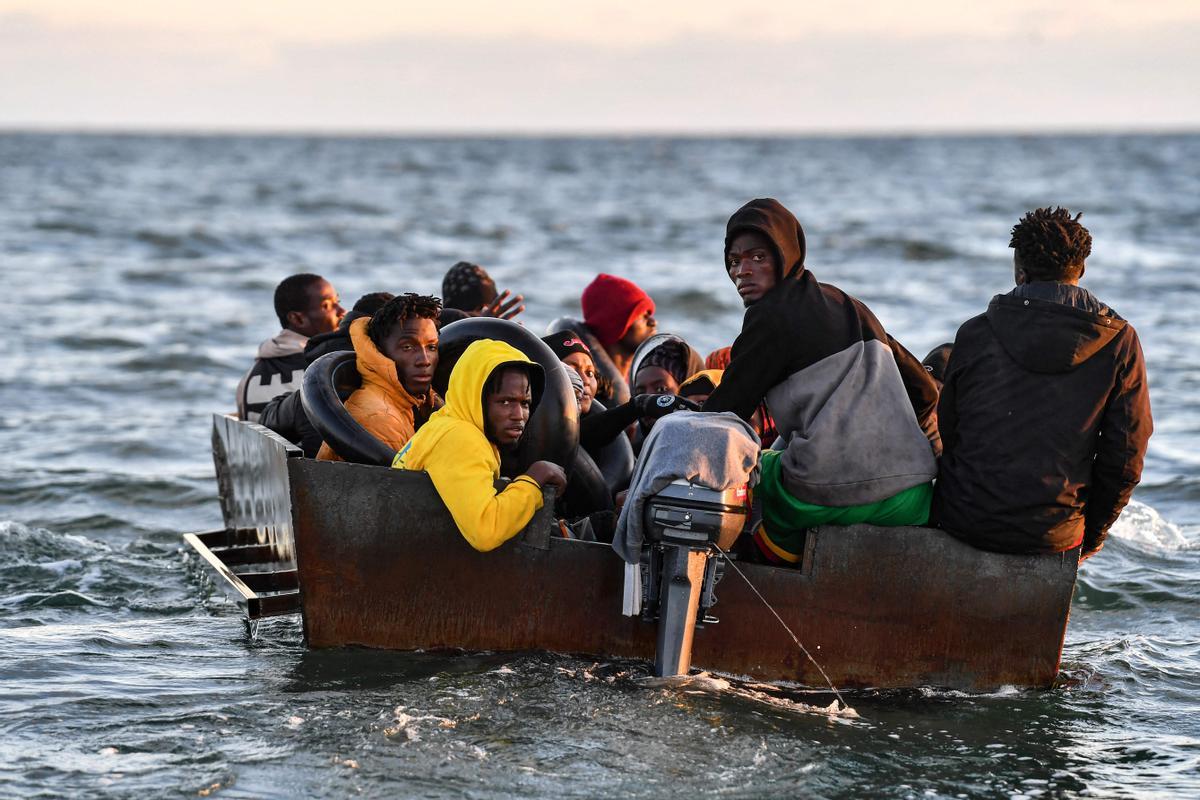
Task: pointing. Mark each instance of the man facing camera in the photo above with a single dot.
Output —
(396, 352)
(1044, 413)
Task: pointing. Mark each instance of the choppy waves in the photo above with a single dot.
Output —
(144, 267)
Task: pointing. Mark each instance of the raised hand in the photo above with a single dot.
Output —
(505, 306)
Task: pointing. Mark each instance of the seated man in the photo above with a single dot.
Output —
(396, 354)
(845, 396)
(285, 414)
(621, 316)
(306, 305)
(1044, 412)
(493, 389)
(469, 289)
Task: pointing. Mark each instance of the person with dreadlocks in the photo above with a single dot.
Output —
(848, 400)
(1044, 411)
(396, 353)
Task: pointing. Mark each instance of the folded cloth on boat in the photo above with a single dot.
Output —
(719, 451)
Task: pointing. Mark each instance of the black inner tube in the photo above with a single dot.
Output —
(615, 460)
(320, 397)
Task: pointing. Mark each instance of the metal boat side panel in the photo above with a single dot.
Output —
(252, 481)
(897, 607)
(381, 564)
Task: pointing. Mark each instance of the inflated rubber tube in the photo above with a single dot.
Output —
(615, 460)
(590, 483)
(605, 368)
(319, 396)
(552, 433)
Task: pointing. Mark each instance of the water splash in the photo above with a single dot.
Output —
(1142, 525)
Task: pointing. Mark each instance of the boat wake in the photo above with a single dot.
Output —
(704, 683)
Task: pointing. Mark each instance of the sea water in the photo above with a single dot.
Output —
(137, 273)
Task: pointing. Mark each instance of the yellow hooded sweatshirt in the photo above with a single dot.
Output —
(463, 463)
(381, 405)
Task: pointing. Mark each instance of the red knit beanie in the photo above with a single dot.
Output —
(610, 306)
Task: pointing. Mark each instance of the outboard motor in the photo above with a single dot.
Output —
(679, 569)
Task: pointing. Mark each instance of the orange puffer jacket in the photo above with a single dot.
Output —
(382, 406)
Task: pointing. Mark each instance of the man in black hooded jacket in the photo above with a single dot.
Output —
(848, 400)
(1044, 413)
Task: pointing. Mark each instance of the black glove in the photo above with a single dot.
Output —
(653, 406)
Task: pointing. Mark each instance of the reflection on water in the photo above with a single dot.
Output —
(144, 268)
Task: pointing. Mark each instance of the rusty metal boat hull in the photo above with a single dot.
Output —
(380, 564)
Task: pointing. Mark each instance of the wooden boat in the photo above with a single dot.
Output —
(370, 556)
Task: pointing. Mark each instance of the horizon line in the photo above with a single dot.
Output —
(300, 132)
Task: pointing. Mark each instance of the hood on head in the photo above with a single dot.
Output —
(768, 217)
(1052, 327)
(464, 395)
(692, 363)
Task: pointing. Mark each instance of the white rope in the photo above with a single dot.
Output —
(803, 649)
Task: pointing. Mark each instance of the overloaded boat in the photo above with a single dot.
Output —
(369, 556)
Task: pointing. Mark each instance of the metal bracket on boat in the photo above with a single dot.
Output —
(263, 593)
(537, 532)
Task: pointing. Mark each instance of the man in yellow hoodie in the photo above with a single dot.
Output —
(396, 353)
(492, 392)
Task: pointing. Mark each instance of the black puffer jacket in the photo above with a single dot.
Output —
(1044, 417)
(285, 414)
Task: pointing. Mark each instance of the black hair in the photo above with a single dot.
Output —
(370, 303)
(397, 310)
(533, 372)
(292, 294)
(496, 380)
(1051, 245)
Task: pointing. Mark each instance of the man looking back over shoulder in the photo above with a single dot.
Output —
(1044, 413)
(847, 399)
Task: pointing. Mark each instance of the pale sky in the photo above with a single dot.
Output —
(604, 66)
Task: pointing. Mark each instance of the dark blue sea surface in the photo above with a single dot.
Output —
(139, 272)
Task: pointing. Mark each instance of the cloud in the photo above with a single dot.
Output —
(52, 75)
